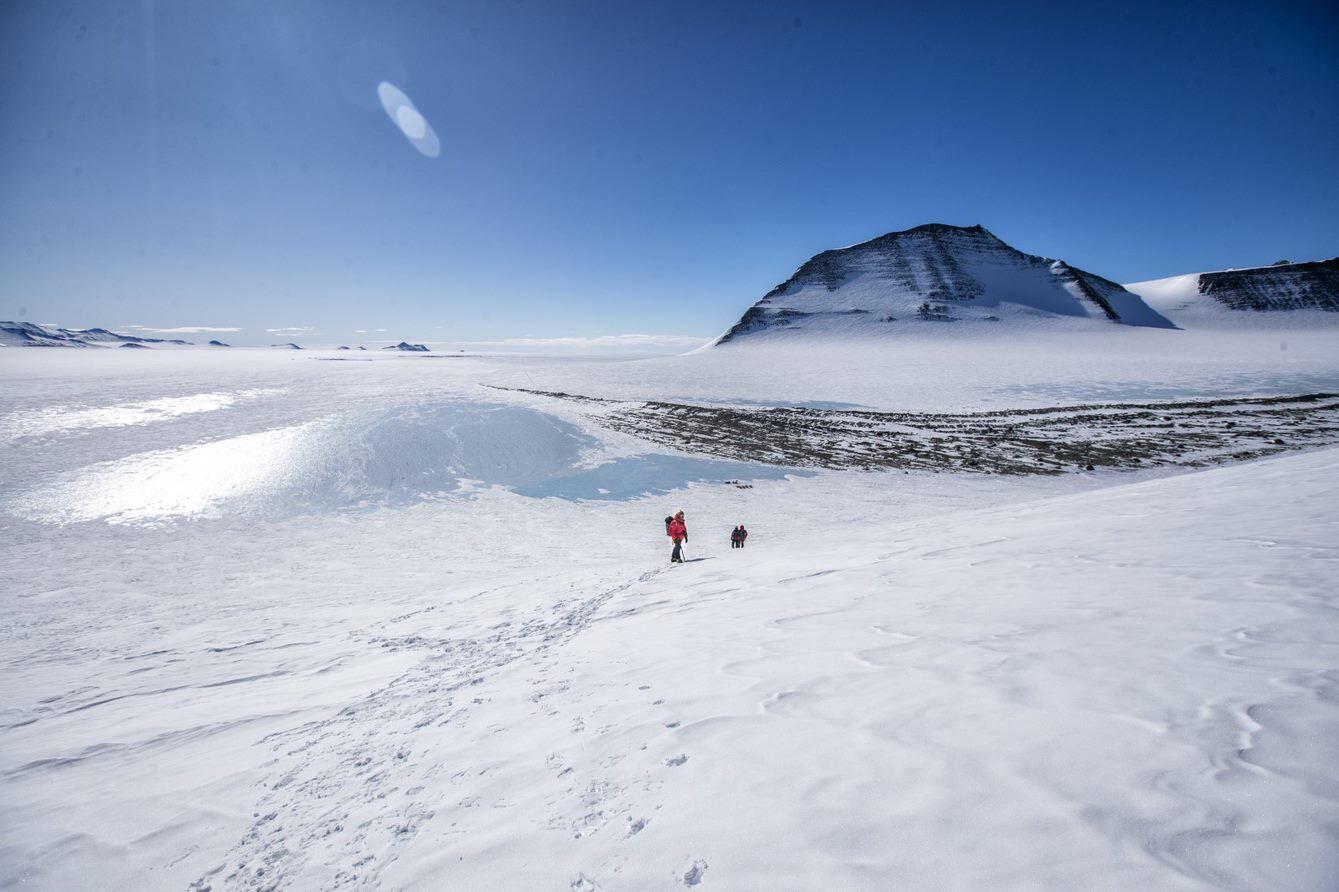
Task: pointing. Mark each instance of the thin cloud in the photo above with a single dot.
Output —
(183, 329)
(302, 331)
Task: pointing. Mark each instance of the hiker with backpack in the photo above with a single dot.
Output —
(677, 530)
(742, 534)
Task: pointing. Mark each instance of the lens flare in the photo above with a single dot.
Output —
(408, 120)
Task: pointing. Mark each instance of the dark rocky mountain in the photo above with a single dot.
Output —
(934, 274)
(218, 344)
(405, 345)
(1282, 286)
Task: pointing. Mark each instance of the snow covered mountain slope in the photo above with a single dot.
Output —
(1282, 295)
(29, 334)
(932, 275)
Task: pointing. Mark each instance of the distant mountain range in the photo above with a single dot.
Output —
(939, 277)
(30, 334)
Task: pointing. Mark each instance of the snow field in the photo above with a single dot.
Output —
(962, 371)
(1117, 689)
(905, 680)
(1128, 686)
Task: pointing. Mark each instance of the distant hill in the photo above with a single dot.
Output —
(934, 275)
(405, 345)
(1284, 294)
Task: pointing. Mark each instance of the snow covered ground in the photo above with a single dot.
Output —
(278, 622)
(961, 369)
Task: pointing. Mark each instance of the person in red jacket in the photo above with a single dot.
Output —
(677, 530)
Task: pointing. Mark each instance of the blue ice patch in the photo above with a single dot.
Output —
(652, 474)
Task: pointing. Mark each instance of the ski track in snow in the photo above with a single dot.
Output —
(354, 763)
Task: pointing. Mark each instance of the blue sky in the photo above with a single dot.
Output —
(629, 168)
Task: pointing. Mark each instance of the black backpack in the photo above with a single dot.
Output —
(668, 521)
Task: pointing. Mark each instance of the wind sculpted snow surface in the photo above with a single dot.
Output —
(904, 681)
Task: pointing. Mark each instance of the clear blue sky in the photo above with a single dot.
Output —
(630, 167)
